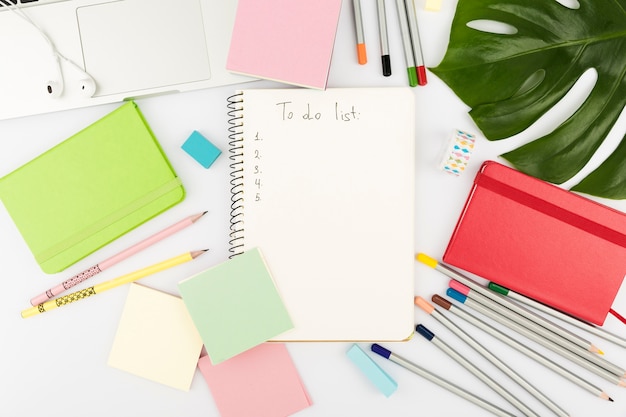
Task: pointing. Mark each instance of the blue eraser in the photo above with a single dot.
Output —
(201, 149)
(372, 371)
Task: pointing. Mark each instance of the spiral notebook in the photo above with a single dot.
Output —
(324, 184)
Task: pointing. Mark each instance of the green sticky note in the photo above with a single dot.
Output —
(235, 305)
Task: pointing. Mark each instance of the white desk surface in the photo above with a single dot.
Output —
(55, 364)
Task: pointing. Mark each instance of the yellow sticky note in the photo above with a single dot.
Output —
(433, 5)
(156, 339)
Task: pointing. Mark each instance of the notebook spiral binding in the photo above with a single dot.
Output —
(235, 143)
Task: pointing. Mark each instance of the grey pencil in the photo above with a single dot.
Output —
(499, 299)
(487, 354)
(588, 327)
(536, 338)
(553, 337)
(455, 389)
(490, 382)
(384, 38)
(505, 338)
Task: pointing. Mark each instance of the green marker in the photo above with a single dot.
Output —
(498, 288)
(406, 43)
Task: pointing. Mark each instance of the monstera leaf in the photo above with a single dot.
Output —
(511, 79)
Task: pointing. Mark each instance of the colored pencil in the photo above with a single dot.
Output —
(107, 285)
(492, 358)
(453, 388)
(406, 43)
(416, 44)
(115, 259)
(541, 331)
(384, 39)
(588, 327)
(360, 35)
(582, 362)
(477, 372)
(515, 344)
(499, 299)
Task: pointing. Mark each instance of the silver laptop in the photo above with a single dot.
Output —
(130, 48)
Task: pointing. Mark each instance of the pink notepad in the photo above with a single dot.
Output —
(261, 382)
(284, 40)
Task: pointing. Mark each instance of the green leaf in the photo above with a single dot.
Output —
(511, 80)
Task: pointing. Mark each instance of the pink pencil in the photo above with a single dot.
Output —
(96, 269)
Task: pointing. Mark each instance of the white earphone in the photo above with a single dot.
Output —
(55, 85)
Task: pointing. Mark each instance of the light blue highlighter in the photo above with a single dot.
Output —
(201, 149)
(374, 373)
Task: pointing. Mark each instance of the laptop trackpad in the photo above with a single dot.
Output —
(140, 44)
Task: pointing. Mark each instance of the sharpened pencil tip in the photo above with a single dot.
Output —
(198, 216)
(595, 349)
(611, 399)
(197, 253)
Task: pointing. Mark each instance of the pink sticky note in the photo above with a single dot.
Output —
(284, 40)
(260, 382)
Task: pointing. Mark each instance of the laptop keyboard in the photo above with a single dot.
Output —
(17, 2)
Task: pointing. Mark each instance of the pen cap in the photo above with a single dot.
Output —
(441, 302)
(498, 288)
(424, 332)
(456, 285)
(376, 348)
(455, 295)
(423, 304)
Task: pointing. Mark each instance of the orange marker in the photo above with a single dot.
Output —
(360, 36)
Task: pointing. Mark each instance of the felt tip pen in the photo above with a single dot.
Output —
(443, 383)
(491, 357)
(531, 335)
(360, 35)
(406, 43)
(588, 327)
(519, 346)
(506, 305)
(384, 39)
(416, 45)
(545, 332)
(474, 370)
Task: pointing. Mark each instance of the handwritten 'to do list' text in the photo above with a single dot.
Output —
(289, 111)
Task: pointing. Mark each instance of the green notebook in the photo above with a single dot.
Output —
(90, 189)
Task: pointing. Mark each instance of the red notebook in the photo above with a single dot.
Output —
(542, 241)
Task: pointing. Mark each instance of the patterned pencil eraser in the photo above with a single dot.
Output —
(433, 5)
(458, 153)
(372, 371)
(201, 149)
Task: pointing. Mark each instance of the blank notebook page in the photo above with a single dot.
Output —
(328, 196)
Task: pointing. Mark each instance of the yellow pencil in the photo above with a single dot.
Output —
(107, 285)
